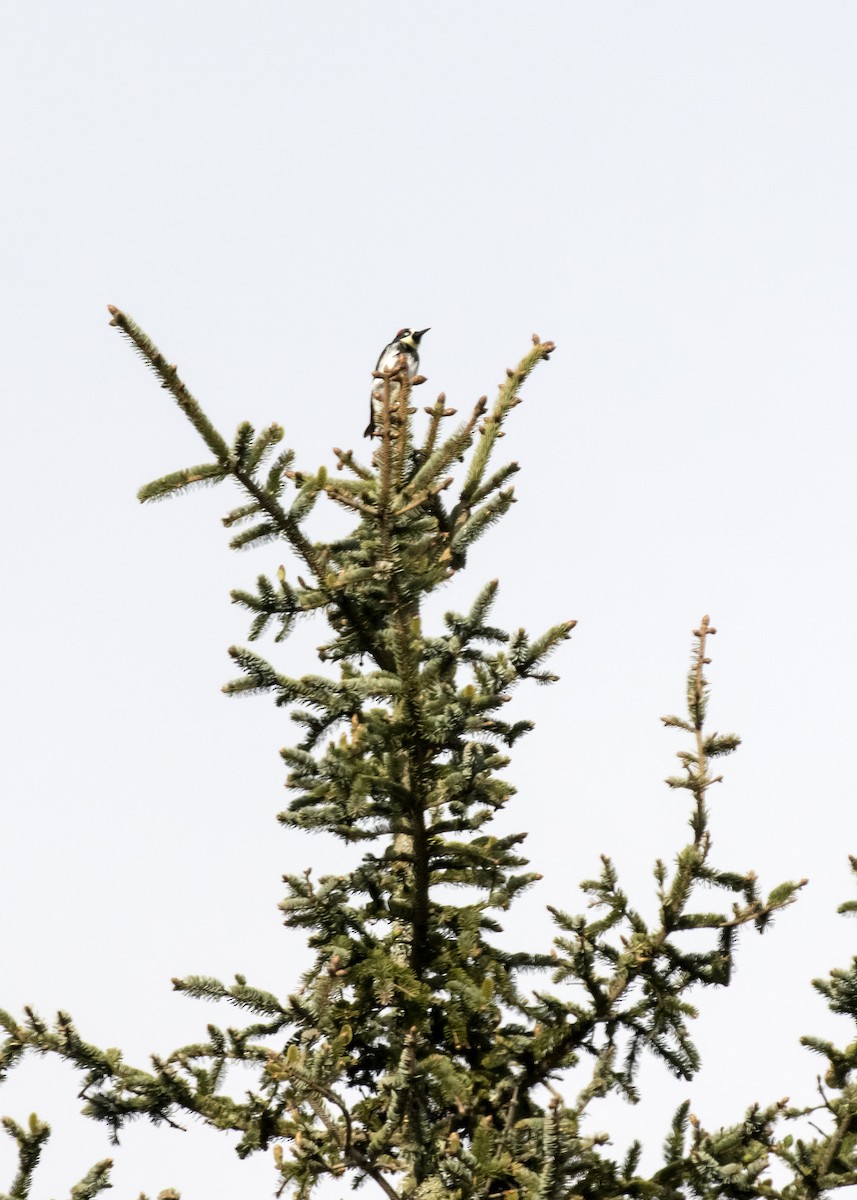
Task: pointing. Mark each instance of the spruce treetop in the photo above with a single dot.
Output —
(418, 1055)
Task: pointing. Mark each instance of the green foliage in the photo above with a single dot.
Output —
(416, 1054)
(30, 1143)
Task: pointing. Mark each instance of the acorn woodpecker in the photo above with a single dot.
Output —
(406, 343)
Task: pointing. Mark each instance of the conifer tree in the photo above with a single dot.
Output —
(417, 1056)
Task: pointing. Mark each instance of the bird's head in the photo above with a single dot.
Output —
(411, 337)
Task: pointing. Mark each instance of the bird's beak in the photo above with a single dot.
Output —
(420, 332)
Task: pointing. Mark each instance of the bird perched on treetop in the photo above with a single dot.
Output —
(406, 343)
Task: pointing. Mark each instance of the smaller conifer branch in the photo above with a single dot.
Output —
(346, 459)
(433, 489)
(436, 413)
(97, 1179)
(637, 984)
(242, 513)
(182, 481)
(242, 462)
(349, 500)
(261, 447)
(494, 482)
(448, 451)
(30, 1142)
(169, 376)
(507, 398)
(474, 524)
(340, 1132)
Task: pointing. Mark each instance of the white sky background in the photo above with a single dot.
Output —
(668, 190)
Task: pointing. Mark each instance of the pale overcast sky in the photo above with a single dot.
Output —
(668, 190)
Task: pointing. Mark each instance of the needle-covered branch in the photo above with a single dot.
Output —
(630, 978)
(30, 1144)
